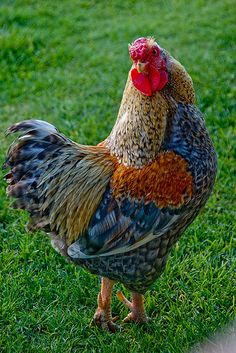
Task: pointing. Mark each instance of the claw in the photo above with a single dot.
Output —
(115, 318)
(136, 307)
(101, 319)
(132, 316)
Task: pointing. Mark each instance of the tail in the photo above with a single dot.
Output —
(59, 182)
(31, 156)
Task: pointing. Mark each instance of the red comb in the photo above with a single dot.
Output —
(138, 48)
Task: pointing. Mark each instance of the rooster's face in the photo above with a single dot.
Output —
(149, 72)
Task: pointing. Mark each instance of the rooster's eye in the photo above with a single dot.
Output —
(154, 52)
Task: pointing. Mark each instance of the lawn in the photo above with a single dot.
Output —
(67, 62)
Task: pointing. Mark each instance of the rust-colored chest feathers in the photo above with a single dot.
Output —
(166, 181)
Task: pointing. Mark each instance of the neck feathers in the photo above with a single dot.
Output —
(139, 129)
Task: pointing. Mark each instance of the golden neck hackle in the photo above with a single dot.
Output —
(139, 129)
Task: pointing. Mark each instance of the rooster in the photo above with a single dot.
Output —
(119, 207)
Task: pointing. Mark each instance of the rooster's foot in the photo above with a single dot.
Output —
(107, 323)
(103, 318)
(136, 307)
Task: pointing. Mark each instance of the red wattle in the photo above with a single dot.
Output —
(163, 79)
(141, 82)
(154, 77)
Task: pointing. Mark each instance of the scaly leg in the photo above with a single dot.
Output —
(138, 313)
(103, 313)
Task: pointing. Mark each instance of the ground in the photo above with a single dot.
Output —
(67, 62)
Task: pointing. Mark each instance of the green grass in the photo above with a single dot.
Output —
(67, 62)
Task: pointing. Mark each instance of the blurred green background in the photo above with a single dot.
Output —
(67, 62)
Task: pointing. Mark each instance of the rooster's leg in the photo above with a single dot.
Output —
(103, 313)
(137, 310)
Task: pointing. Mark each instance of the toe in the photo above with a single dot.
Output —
(100, 318)
(124, 300)
(112, 327)
(137, 318)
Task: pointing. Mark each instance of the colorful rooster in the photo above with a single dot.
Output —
(118, 208)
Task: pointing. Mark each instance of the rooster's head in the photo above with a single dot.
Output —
(149, 72)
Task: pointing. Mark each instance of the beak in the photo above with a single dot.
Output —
(142, 67)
